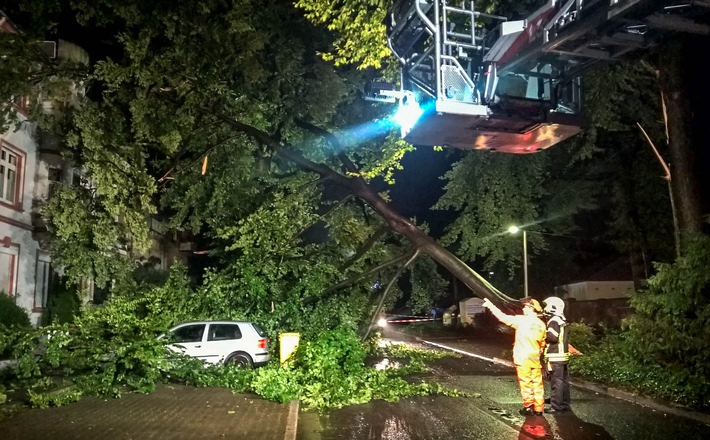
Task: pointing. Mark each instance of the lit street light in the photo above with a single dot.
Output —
(514, 230)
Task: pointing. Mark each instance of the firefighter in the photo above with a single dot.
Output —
(527, 349)
(557, 353)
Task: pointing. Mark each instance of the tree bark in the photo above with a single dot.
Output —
(684, 178)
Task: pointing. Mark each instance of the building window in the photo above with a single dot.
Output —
(8, 269)
(11, 163)
(43, 279)
(21, 103)
(54, 174)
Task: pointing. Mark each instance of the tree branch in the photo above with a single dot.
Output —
(196, 161)
(361, 275)
(399, 224)
(322, 216)
(378, 309)
(350, 167)
(364, 248)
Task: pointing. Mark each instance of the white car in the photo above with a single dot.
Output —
(230, 342)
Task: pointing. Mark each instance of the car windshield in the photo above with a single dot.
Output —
(258, 330)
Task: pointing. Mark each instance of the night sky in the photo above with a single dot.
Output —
(419, 186)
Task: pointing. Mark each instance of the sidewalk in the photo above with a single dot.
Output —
(172, 412)
(496, 353)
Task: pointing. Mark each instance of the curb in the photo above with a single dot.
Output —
(292, 420)
(600, 389)
(641, 400)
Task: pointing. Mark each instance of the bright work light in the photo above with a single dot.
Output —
(408, 113)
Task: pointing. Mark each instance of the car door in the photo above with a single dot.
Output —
(224, 338)
(189, 339)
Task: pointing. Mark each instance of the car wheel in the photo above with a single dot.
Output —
(241, 360)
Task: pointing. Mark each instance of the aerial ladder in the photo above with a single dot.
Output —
(474, 80)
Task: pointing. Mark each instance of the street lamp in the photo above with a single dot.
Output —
(514, 230)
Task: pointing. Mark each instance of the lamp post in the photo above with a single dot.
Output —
(514, 230)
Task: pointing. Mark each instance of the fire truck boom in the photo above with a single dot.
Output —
(480, 81)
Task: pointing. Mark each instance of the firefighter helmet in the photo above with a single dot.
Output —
(554, 306)
(532, 302)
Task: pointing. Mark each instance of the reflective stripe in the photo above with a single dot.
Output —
(557, 357)
(560, 352)
(561, 342)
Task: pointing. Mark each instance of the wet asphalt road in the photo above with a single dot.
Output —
(492, 414)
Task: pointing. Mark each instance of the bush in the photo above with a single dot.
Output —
(12, 315)
(670, 325)
(610, 362)
(664, 349)
(582, 336)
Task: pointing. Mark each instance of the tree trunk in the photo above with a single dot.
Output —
(673, 81)
(400, 225)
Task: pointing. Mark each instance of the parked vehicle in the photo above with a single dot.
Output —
(241, 343)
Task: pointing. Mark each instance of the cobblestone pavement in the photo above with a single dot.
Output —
(171, 413)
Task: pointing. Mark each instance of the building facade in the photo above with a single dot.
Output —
(30, 164)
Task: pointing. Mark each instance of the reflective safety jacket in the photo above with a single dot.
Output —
(529, 337)
(557, 340)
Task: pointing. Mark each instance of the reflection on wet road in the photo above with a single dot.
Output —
(491, 414)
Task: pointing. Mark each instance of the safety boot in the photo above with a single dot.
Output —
(529, 411)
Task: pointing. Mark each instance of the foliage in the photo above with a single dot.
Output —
(406, 351)
(490, 193)
(59, 397)
(427, 285)
(85, 236)
(113, 349)
(105, 350)
(360, 28)
(612, 361)
(12, 315)
(330, 372)
(63, 304)
(582, 336)
(669, 327)
(663, 349)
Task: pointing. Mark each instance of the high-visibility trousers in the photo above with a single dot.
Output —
(531, 387)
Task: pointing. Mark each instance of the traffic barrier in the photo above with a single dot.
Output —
(411, 319)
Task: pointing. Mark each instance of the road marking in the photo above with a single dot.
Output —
(292, 420)
(468, 353)
(600, 389)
